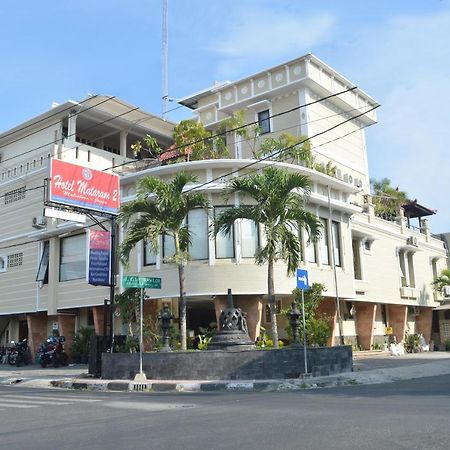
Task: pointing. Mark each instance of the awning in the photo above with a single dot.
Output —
(442, 307)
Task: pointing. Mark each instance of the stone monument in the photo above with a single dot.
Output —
(232, 332)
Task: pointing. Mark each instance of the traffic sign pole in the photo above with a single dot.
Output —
(304, 332)
(141, 335)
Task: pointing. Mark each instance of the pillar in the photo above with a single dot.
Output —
(328, 308)
(424, 322)
(37, 331)
(150, 312)
(123, 143)
(66, 325)
(97, 312)
(397, 318)
(365, 321)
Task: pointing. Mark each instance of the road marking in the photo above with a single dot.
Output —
(18, 406)
(35, 402)
(45, 397)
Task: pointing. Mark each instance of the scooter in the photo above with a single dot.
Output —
(52, 352)
(19, 353)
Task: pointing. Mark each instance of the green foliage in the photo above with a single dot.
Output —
(264, 340)
(205, 336)
(328, 169)
(286, 147)
(317, 329)
(412, 343)
(128, 304)
(278, 199)
(447, 345)
(386, 199)
(442, 280)
(80, 343)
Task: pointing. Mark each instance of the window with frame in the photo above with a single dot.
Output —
(249, 238)
(3, 263)
(264, 121)
(197, 222)
(336, 233)
(72, 260)
(42, 274)
(324, 244)
(224, 243)
(149, 254)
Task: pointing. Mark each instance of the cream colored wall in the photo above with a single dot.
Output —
(381, 266)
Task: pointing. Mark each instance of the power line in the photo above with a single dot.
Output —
(279, 152)
(50, 125)
(46, 118)
(232, 130)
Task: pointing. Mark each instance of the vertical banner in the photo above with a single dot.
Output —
(99, 258)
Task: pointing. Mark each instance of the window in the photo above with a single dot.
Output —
(406, 264)
(3, 263)
(15, 195)
(264, 121)
(72, 265)
(149, 255)
(224, 243)
(197, 222)
(168, 247)
(336, 233)
(356, 247)
(323, 243)
(15, 260)
(42, 274)
(249, 238)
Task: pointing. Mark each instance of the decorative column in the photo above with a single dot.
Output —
(365, 321)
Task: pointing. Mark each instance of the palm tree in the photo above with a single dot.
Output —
(279, 208)
(162, 208)
(442, 280)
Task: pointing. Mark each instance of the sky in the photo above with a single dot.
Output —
(398, 51)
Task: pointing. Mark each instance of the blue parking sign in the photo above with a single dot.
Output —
(302, 279)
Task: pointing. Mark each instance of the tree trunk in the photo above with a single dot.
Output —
(272, 304)
(183, 301)
(182, 309)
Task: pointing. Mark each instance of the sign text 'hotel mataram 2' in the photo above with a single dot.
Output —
(81, 187)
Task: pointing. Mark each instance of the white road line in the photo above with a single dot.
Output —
(44, 397)
(32, 402)
(18, 406)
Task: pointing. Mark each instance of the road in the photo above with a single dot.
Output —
(405, 415)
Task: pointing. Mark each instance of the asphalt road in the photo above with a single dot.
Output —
(405, 415)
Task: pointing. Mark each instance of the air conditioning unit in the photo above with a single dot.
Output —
(358, 182)
(412, 240)
(39, 222)
(446, 291)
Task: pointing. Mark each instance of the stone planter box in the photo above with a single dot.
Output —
(281, 363)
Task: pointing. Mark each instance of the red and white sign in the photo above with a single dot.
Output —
(79, 186)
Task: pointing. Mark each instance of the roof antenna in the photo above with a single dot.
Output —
(165, 60)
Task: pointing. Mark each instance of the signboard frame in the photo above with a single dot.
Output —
(82, 189)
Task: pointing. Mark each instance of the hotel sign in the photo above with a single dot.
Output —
(82, 187)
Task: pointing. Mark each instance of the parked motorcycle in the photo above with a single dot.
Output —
(19, 353)
(52, 352)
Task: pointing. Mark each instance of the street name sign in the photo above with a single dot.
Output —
(132, 281)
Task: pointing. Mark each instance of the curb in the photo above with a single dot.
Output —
(374, 376)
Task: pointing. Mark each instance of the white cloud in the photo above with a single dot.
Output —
(264, 35)
(405, 64)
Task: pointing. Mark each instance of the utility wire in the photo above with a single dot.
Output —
(46, 118)
(48, 126)
(279, 152)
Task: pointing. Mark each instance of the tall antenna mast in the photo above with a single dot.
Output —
(165, 59)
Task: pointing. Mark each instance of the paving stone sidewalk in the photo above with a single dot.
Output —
(369, 368)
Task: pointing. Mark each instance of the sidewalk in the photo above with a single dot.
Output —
(369, 368)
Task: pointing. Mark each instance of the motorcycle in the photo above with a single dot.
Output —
(52, 352)
(19, 353)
